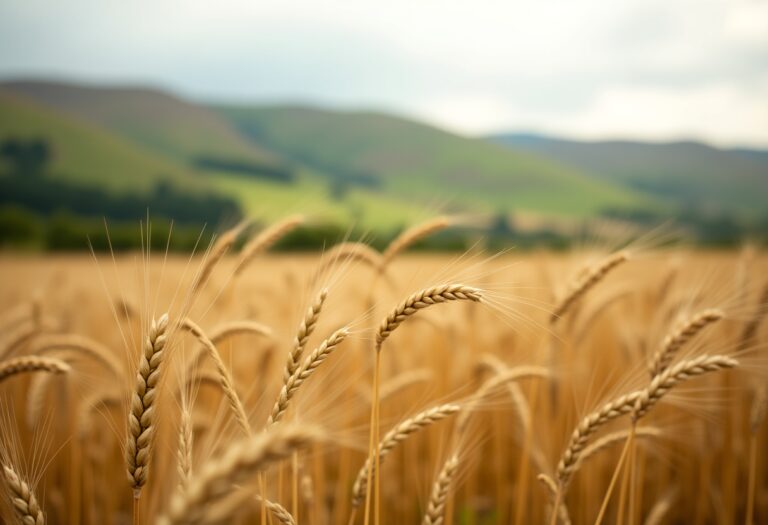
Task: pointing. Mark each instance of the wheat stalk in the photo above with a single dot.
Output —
(440, 489)
(32, 363)
(674, 341)
(231, 328)
(508, 375)
(551, 486)
(660, 509)
(612, 439)
(397, 435)
(266, 239)
(301, 374)
(671, 377)
(24, 501)
(586, 282)
(423, 299)
(141, 416)
(241, 461)
(413, 235)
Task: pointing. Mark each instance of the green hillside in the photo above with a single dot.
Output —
(419, 163)
(154, 119)
(688, 174)
(84, 153)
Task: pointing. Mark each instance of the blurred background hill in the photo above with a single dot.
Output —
(72, 153)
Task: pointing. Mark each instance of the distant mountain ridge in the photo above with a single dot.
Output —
(685, 172)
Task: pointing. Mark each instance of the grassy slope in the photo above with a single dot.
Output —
(422, 163)
(686, 172)
(85, 153)
(151, 118)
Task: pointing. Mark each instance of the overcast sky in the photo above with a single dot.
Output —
(652, 69)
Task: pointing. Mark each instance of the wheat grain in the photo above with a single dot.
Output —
(306, 327)
(24, 501)
(668, 379)
(587, 427)
(184, 451)
(586, 282)
(141, 416)
(31, 363)
(440, 489)
(674, 341)
(423, 299)
(291, 386)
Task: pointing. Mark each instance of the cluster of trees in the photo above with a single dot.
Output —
(274, 173)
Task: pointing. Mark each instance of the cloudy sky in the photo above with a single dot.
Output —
(652, 69)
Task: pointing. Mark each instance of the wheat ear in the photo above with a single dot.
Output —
(586, 428)
(141, 417)
(423, 299)
(440, 489)
(674, 341)
(671, 377)
(280, 513)
(301, 374)
(219, 249)
(241, 461)
(306, 327)
(397, 435)
(266, 239)
(413, 235)
(23, 498)
(184, 451)
(32, 363)
(588, 280)
(82, 345)
(225, 378)
(349, 251)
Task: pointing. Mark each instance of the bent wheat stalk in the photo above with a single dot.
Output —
(24, 501)
(225, 377)
(440, 489)
(589, 280)
(32, 363)
(679, 337)
(141, 416)
(423, 299)
(216, 253)
(413, 235)
(241, 461)
(265, 239)
(397, 435)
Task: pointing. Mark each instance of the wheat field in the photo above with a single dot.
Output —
(358, 387)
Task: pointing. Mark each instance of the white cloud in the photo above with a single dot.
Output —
(650, 68)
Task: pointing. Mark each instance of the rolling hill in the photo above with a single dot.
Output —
(84, 153)
(154, 119)
(686, 174)
(420, 163)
